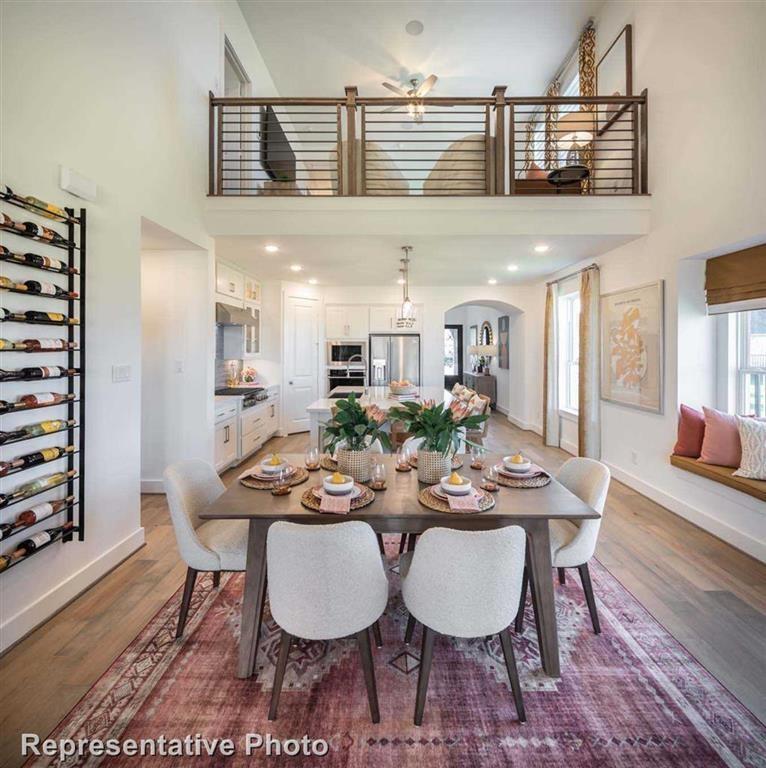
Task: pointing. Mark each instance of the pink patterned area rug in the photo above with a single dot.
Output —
(631, 696)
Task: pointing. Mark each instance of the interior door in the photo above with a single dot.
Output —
(301, 356)
(453, 356)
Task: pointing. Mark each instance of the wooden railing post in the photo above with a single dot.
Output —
(211, 146)
(499, 94)
(511, 149)
(644, 145)
(351, 93)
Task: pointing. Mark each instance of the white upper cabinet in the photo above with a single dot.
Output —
(230, 283)
(383, 319)
(347, 321)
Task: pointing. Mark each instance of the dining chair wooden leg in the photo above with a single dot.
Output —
(519, 625)
(426, 654)
(533, 595)
(216, 579)
(285, 641)
(191, 577)
(562, 576)
(513, 673)
(411, 541)
(381, 544)
(402, 543)
(410, 629)
(377, 635)
(587, 587)
(363, 638)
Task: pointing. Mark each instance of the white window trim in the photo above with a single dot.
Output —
(742, 371)
(566, 347)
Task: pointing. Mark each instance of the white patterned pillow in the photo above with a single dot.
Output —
(752, 435)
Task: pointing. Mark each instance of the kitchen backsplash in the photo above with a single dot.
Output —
(223, 367)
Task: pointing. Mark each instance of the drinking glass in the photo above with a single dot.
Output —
(489, 477)
(403, 459)
(477, 457)
(312, 459)
(378, 480)
(282, 482)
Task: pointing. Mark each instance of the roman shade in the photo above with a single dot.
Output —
(736, 282)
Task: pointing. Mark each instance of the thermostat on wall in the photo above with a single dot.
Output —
(77, 184)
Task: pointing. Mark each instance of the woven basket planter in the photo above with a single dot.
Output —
(358, 464)
(433, 466)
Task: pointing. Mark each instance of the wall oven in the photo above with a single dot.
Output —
(343, 377)
(347, 352)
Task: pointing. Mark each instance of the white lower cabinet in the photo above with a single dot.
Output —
(257, 425)
(226, 443)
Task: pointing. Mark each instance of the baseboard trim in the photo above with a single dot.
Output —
(152, 486)
(501, 409)
(736, 538)
(565, 445)
(17, 627)
(521, 424)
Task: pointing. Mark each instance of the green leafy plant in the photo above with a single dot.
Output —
(355, 425)
(440, 427)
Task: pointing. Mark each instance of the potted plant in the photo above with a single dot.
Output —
(440, 429)
(350, 432)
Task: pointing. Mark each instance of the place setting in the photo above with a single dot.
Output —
(274, 474)
(338, 494)
(517, 471)
(456, 494)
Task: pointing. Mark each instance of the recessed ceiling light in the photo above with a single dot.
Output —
(541, 248)
(513, 267)
(296, 267)
(492, 281)
(271, 248)
(313, 281)
(414, 27)
(400, 281)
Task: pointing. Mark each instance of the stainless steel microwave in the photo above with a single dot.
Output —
(347, 352)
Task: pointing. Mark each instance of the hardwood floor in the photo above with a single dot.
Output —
(710, 596)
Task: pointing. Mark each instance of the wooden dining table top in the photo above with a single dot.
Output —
(399, 504)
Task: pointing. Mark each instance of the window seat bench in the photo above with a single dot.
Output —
(724, 475)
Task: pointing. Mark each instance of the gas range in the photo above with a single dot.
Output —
(250, 395)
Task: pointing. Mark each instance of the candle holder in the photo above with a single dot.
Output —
(378, 479)
(489, 479)
(282, 483)
(312, 459)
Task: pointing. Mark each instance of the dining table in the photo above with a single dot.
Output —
(397, 509)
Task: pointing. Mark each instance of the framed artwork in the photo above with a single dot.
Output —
(503, 332)
(632, 343)
(614, 77)
(473, 335)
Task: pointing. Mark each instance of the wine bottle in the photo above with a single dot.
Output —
(33, 543)
(38, 372)
(11, 344)
(41, 511)
(37, 429)
(35, 260)
(6, 222)
(44, 398)
(48, 289)
(9, 285)
(35, 316)
(6, 561)
(35, 486)
(46, 234)
(12, 434)
(33, 459)
(44, 208)
(6, 529)
(37, 345)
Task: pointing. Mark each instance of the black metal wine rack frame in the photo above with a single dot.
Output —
(75, 406)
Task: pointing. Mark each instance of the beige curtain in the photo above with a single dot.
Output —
(587, 71)
(551, 121)
(589, 417)
(551, 427)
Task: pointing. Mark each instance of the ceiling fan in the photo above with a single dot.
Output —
(415, 108)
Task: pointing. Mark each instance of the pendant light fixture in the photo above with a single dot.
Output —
(406, 317)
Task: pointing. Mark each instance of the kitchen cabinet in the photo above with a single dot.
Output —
(226, 443)
(347, 321)
(383, 319)
(243, 341)
(258, 424)
(252, 290)
(229, 284)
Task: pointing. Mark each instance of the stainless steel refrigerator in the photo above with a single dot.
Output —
(394, 357)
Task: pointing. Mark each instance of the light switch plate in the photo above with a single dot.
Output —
(120, 373)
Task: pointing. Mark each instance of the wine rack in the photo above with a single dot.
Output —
(70, 277)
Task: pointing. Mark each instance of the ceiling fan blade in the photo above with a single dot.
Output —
(391, 109)
(395, 89)
(426, 85)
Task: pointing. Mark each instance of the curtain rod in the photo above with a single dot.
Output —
(573, 274)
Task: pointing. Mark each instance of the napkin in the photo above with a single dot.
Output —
(335, 505)
(467, 503)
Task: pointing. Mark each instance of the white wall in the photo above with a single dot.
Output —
(127, 107)
(703, 154)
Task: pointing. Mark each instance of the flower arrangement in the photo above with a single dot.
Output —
(355, 426)
(439, 427)
(249, 374)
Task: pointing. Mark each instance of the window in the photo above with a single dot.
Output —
(450, 352)
(569, 351)
(751, 362)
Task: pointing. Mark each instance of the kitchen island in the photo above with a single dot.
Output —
(320, 410)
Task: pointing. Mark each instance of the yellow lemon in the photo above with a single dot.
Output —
(455, 479)
(275, 461)
(337, 478)
(517, 459)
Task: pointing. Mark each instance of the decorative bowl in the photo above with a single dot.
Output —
(272, 469)
(456, 490)
(403, 389)
(338, 489)
(511, 467)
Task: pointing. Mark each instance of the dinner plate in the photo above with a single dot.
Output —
(531, 472)
(440, 493)
(272, 470)
(353, 493)
(258, 475)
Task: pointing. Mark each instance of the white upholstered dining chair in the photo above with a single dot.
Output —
(325, 582)
(464, 584)
(213, 545)
(573, 544)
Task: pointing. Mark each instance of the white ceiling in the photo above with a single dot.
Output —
(315, 48)
(436, 261)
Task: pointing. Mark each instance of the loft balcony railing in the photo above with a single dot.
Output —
(495, 145)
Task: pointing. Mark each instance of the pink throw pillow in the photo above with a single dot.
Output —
(691, 432)
(721, 444)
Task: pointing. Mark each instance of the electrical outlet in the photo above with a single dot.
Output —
(120, 373)
(179, 366)
(634, 457)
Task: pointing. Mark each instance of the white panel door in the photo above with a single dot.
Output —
(301, 361)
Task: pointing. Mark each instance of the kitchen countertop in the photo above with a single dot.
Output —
(378, 396)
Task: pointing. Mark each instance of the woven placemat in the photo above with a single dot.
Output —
(300, 475)
(430, 500)
(523, 482)
(310, 501)
(457, 462)
(328, 463)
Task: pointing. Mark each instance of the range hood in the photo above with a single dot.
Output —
(226, 314)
